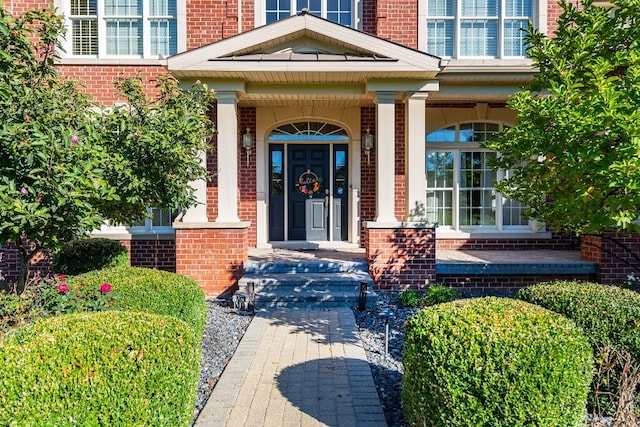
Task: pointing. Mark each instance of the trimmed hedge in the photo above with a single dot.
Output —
(84, 255)
(152, 291)
(109, 368)
(609, 315)
(494, 362)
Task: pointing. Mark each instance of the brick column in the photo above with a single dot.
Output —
(615, 254)
(401, 255)
(212, 254)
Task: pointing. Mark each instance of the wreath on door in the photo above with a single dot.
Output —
(308, 183)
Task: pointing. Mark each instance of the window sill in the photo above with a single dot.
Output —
(111, 61)
(132, 234)
(494, 234)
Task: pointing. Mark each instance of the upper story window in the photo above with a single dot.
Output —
(339, 11)
(477, 28)
(122, 28)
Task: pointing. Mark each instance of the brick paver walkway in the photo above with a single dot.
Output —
(296, 367)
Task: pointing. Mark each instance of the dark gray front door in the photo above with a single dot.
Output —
(308, 175)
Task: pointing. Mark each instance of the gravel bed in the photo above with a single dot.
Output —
(222, 333)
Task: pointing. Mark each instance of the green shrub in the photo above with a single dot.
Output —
(438, 294)
(105, 368)
(84, 255)
(494, 362)
(411, 298)
(608, 315)
(152, 291)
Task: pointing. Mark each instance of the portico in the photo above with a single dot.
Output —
(304, 89)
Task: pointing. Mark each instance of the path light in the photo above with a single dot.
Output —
(386, 315)
(362, 298)
(368, 142)
(248, 142)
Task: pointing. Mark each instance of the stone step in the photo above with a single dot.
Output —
(323, 266)
(299, 283)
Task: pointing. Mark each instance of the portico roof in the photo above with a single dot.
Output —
(290, 54)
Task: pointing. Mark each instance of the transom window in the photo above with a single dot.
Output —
(117, 28)
(309, 131)
(477, 28)
(460, 181)
(339, 11)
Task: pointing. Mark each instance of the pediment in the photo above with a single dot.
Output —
(304, 43)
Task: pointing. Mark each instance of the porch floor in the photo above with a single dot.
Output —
(537, 256)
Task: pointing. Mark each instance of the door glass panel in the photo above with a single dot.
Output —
(340, 173)
(276, 172)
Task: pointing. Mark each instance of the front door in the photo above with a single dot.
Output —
(308, 201)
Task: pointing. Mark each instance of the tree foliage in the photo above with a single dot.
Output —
(67, 165)
(575, 153)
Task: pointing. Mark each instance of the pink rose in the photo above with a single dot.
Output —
(23, 190)
(63, 288)
(105, 288)
(74, 139)
(61, 277)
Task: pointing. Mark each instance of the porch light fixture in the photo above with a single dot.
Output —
(368, 142)
(248, 142)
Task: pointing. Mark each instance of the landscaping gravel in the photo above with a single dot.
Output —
(223, 331)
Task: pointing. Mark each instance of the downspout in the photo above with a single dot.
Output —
(239, 16)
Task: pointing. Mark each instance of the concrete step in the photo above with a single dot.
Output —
(295, 284)
(323, 266)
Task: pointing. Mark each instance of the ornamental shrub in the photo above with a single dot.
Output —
(104, 368)
(610, 318)
(152, 291)
(411, 298)
(84, 255)
(438, 294)
(494, 362)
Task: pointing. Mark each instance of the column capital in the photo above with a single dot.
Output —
(385, 97)
(418, 96)
(227, 97)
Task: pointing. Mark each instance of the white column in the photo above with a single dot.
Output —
(198, 213)
(385, 156)
(227, 151)
(415, 188)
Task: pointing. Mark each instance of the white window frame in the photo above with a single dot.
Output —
(260, 16)
(456, 148)
(539, 20)
(181, 43)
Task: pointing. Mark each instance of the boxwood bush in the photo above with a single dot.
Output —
(610, 317)
(84, 255)
(152, 291)
(108, 368)
(494, 362)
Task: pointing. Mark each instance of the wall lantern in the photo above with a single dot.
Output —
(368, 142)
(248, 142)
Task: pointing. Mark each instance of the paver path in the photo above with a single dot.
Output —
(296, 367)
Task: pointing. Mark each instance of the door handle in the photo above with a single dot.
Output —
(326, 202)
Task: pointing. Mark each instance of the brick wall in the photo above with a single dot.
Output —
(617, 255)
(247, 201)
(401, 258)
(369, 16)
(10, 263)
(213, 257)
(557, 241)
(367, 171)
(211, 20)
(157, 254)
(400, 205)
(398, 21)
(505, 285)
(553, 13)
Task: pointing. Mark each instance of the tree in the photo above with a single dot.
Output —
(65, 165)
(574, 155)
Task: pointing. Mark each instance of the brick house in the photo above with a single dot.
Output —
(339, 123)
